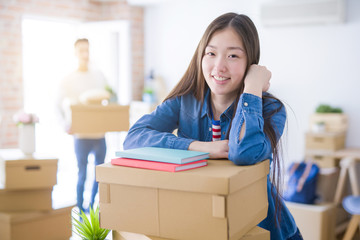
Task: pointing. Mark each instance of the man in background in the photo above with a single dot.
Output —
(75, 88)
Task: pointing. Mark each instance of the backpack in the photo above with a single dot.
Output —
(301, 185)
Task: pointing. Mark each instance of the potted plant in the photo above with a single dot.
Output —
(89, 228)
(26, 124)
(329, 119)
(113, 95)
(324, 108)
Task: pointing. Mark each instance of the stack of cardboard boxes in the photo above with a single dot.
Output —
(321, 143)
(326, 135)
(25, 199)
(218, 202)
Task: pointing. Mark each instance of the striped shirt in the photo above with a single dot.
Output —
(216, 130)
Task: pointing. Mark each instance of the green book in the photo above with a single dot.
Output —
(167, 155)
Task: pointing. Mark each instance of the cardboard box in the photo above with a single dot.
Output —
(217, 202)
(99, 119)
(325, 191)
(36, 225)
(256, 233)
(324, 159)
(334, 122)
(316, 222)
(25, 200)
(325, 141)
(26, 172)
(326, 184)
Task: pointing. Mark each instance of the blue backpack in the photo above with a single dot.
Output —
(301, 187)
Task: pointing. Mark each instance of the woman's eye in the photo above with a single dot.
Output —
(210, 54)
(233, 56)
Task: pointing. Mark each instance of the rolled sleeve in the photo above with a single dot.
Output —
(255, 146)
(155, 129)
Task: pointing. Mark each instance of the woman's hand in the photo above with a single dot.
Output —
(216, 150)
(257, 80)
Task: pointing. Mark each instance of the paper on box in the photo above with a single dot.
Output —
(99, 119)
(36, 225)
(25, 200)
(184, 205)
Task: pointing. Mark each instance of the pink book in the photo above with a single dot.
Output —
(161, 166)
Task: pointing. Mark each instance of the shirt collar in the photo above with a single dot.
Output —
(206, 107)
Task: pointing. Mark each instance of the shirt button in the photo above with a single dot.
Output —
(209, 129)
(223, 133)
(246, 104)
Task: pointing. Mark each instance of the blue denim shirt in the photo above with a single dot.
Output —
(193, 121)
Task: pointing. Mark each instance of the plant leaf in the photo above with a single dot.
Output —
(89, 228)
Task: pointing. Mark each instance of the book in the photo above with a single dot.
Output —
(160, 166)
(168, 155)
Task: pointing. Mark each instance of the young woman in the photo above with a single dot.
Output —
(221, 106)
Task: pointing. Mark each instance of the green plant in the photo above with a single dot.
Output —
(109, 89)
(324, 108)
(148, 90)
(89, 229)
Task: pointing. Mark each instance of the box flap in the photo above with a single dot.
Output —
(4, 190)
(219, 177)
(99, 108)
(31, 164)
(311, 207)
(326, 134)
(15, 157)
(17, 217)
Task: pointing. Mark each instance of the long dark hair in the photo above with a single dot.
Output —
(194, 82)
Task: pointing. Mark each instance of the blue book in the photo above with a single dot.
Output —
(163, 155)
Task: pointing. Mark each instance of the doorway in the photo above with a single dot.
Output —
(48, 56)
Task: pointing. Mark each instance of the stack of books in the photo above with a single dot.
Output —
(161, 159)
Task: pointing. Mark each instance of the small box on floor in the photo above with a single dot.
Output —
(256, 233)
(26, 200)
(26, 172)
(99, 119)
(218, 202)
(36, 225)
(314, 221)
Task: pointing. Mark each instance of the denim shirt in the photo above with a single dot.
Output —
(193, 122)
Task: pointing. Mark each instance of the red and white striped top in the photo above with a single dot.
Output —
(216, 130)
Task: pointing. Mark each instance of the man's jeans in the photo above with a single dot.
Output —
(83, 148)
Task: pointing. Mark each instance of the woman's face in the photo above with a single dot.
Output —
(224, 63)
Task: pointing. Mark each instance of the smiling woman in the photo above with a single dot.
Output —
(221, 106)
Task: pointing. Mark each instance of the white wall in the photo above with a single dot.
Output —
(310, 64)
